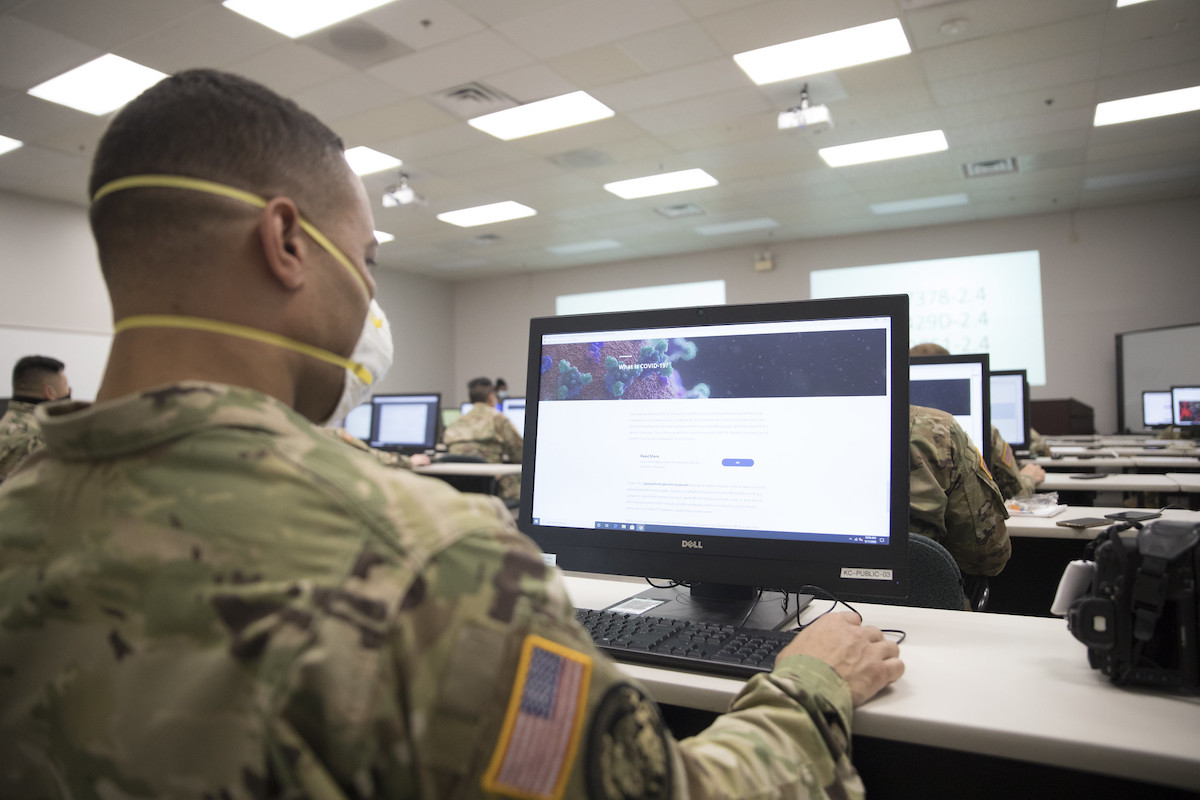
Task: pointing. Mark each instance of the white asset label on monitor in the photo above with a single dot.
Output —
(864, 574)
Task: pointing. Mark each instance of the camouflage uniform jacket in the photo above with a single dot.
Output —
(952, 497)
(19, 435)
(202, 595)
(388, 459)
(485, 432)
(1038, 447)
(1006, 470)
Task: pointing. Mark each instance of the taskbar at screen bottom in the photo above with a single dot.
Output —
(738, 533)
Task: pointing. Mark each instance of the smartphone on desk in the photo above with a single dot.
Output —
(1083, 522)
(1133, 516)
(1089, 476)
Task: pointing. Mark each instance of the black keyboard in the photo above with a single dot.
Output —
(683, 644)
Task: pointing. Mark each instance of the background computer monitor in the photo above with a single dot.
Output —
(358, 422)
(1156, 409)
(1009, 404)
(514, 409)
(959, 386)
(449, 417)
(1185, 405)
(466, 407)
(730, 447)
(406, 423)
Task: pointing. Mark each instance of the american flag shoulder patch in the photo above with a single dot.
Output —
(537, 744)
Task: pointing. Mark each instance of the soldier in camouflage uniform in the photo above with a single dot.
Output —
(202, 595)
(1038, 447)
(485, 432)
(1012, 479)
(952, 497)
(35, 380)
(385, 457)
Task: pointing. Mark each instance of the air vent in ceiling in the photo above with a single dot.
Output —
(486, 238)
(472, 100)
(680, 210)
(583, 159)
(992, 166)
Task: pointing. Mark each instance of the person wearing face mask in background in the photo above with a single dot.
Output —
(35, 380)
(203, 595)
(501, 389)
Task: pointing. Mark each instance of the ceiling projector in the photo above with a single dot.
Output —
(805, 116)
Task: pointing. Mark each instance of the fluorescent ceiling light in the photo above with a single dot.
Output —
(99, 86)
(665, 183)
(1123, 3)
(1147, 106)
(919, 204)
(484, 215)
(297, 17)
(383, 237)
(563, 111)
(364, 160)
(912, 144)
(825, 53)
(7, 144)
(583, 247)
(721, 228)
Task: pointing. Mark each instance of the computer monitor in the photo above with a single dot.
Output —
(959, 386)
(405, 423)
(1156, 409)
(514, 409)
(732, 448)
(1185, 405)
(449, 417)
(1010, 406)
(358, 422)
(466, 407)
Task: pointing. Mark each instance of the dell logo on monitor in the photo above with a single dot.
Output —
(695, 544)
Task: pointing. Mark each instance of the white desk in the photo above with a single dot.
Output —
(1188, 481)
(1117, 482)
(1007, 686)
(1046, 527)
(469, 469)
(1098, 463)
(1166, 462)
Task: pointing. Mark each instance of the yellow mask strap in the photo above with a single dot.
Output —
(220, 189)
(243, 332)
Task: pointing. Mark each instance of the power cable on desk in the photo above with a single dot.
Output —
(828, 595)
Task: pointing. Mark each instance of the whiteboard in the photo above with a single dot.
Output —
(1153, 360)
(84, 354)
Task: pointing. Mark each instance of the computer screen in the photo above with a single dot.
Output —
(1010, 406)
(959, 386)
(358, 422)
(1185, 405)
(1156, 409)
(514, 409)
(466, 407)
(729, 447)
(407, 423)
(449, 417)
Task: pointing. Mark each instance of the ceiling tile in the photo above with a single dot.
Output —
(668, 48)
(1063, 71)
(356, 43)
(701, 112)
(711, 77)
(763, 24)
(348, 96)
(596, 66)
(29, 118)
(106, 24)
(423, 23)
(30, 54)
(463, 60)
(531, 83)
(290, 67)
(395, 121)
(212, 37)
(574, 26)
(1016, 49)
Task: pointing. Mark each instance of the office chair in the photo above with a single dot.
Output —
(934, 579)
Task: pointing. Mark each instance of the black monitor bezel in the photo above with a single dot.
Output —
(419, 447)
(1170, 402)
(983, 359)
(1174, 407)
(1024, 443)
(774, 564)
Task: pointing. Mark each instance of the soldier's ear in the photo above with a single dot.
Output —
(285, 248)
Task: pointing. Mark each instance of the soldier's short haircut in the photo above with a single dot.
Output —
(218, 127)
(928, 349)
(31, 373)
(480, 389)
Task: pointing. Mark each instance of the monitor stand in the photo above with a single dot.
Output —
(720, 603)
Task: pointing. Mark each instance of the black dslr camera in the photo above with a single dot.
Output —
(1140, 618)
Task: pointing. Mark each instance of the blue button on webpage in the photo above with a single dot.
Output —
(737, 462)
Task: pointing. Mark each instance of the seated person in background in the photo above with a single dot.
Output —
(501, 389)
(35, 380)
(1038, 448)
(952, 497)
(485, 432)
(201, 595)
(1011, 480)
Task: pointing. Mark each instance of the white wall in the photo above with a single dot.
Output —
(50, 282)
(1126, 268)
